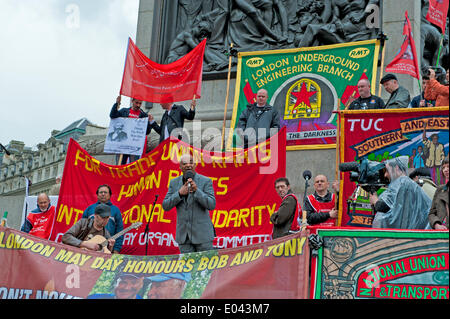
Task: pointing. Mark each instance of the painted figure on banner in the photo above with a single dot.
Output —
(286, 219)
(80, 234)
(434, 154)
(126, 286)
(193, 196)
(115, 223)
(258, 121)
(167, 286)
(172, 120)
(134, 111)
(39, 222)
(321, 206)
(404, 204)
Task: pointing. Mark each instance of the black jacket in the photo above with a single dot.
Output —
(173, 120)
(125, 112)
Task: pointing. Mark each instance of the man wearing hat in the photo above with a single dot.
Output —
(84, 229)
(168, 286)
(399, 95)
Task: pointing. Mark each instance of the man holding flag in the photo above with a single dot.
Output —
(132, 112)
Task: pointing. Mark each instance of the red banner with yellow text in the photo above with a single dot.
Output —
(35, 268)
(243, 184)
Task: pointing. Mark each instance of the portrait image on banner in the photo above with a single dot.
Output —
(305, 85)
(126, 136)
(422, 135)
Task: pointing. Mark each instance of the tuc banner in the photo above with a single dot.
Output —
(243, 185)
(380, 264)
(305, 85)
(34, 268)
(379, 135)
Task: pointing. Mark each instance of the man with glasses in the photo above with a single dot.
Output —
(115, 222)
(132, 112)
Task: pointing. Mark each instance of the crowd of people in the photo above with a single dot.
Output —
(404, 204)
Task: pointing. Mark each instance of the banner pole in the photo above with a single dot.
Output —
(382, 67)
(226, 100)
(439, 52)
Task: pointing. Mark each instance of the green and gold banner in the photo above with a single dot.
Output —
(305, 85)
(361, 263)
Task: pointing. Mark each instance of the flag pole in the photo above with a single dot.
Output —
(440, 48)
(383, 38)
(226, 99)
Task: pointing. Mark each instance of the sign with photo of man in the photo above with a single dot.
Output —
(126, 136)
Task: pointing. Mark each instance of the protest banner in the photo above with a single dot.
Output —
(243, 184)
(126, 136)
(34, 268)
(437, 13)
(379, 135)
(305, 85)
(380, 264)
(149, 81)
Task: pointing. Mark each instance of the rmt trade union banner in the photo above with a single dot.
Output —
(243, 186)
(379, 135)
(305, 85)
(380, 264)
(34, 268)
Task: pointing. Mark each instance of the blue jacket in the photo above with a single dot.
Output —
(115, 223)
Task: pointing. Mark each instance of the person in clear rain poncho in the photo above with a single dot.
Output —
(404, 204)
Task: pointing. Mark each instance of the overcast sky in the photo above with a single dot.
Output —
(60, 61)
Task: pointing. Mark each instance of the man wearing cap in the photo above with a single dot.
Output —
(168, 286)
(127, 286)
(79, 234)
(399, 95)
(115, 223)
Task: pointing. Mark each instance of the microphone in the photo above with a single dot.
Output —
(189, 174)
(307, 175)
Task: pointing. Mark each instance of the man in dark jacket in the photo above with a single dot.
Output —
(133, 112)
(86, 228)
(172, 119)
(399, 95)
(258, 118)
(285, 219)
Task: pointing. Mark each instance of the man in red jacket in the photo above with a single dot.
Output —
(40, 221)
(320, 206)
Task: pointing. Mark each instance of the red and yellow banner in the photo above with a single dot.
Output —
(35, 268)
(243, 184)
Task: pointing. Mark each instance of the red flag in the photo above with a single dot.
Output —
(352, 90)
(149, 81)
(249, 95)
(406, 60)
(437, 13)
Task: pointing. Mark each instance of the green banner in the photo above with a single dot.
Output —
(305, 85)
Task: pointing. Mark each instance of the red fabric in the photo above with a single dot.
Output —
(249, 95)
(295, 226)
(437, 13)
(324, 208)
(405, 61)
(240, 217)
(42, 223)
(134, 114)
(149, 81)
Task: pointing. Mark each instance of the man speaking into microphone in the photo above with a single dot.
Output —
(193, 196)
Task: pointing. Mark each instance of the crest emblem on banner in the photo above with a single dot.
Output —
(303, 100)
